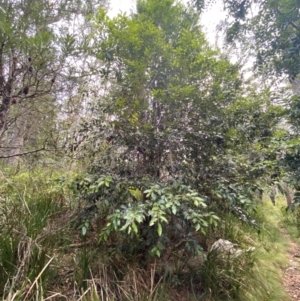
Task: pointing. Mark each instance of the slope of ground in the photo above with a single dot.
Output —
(292, 272)
(289, 232)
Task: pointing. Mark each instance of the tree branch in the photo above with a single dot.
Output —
(288, 21)
(26, 153)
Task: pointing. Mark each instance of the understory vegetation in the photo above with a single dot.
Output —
(136, 158)
(45, 254)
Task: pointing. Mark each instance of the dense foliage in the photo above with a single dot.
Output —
(169, 148)
(270, 31)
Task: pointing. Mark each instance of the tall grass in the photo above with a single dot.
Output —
(28, 206)
(270, 257)
(43, 258)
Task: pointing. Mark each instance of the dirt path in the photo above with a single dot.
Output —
(292, 272)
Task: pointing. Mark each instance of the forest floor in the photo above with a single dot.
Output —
(291, 278)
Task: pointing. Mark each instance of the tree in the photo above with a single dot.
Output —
(274, 29)
(172, 123)
(164, 79)
(272, 26)
(38, 52)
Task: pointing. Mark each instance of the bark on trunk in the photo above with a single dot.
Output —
(295, 84)
(17, 141)
(288, 193)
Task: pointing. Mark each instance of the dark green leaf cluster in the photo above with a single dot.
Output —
(140, 217)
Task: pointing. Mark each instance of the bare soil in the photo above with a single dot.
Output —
(291, 279)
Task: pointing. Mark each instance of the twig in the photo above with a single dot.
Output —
(290, 22)
(87, 243)
(84, 294)
(38, 277)
(27, 153)
(56, 294)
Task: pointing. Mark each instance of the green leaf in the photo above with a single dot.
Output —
(153, 196)
(159, 229)
(135, 228)
(101, 183)
(163, 219)
(124, 227)
(153, 220)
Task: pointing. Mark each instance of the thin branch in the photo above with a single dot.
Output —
(26, 153)
(288, 21)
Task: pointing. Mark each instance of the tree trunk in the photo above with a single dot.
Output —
(288, 193)
(295, 85)
(16, 142)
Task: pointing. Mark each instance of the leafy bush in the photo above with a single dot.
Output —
(145, 218)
